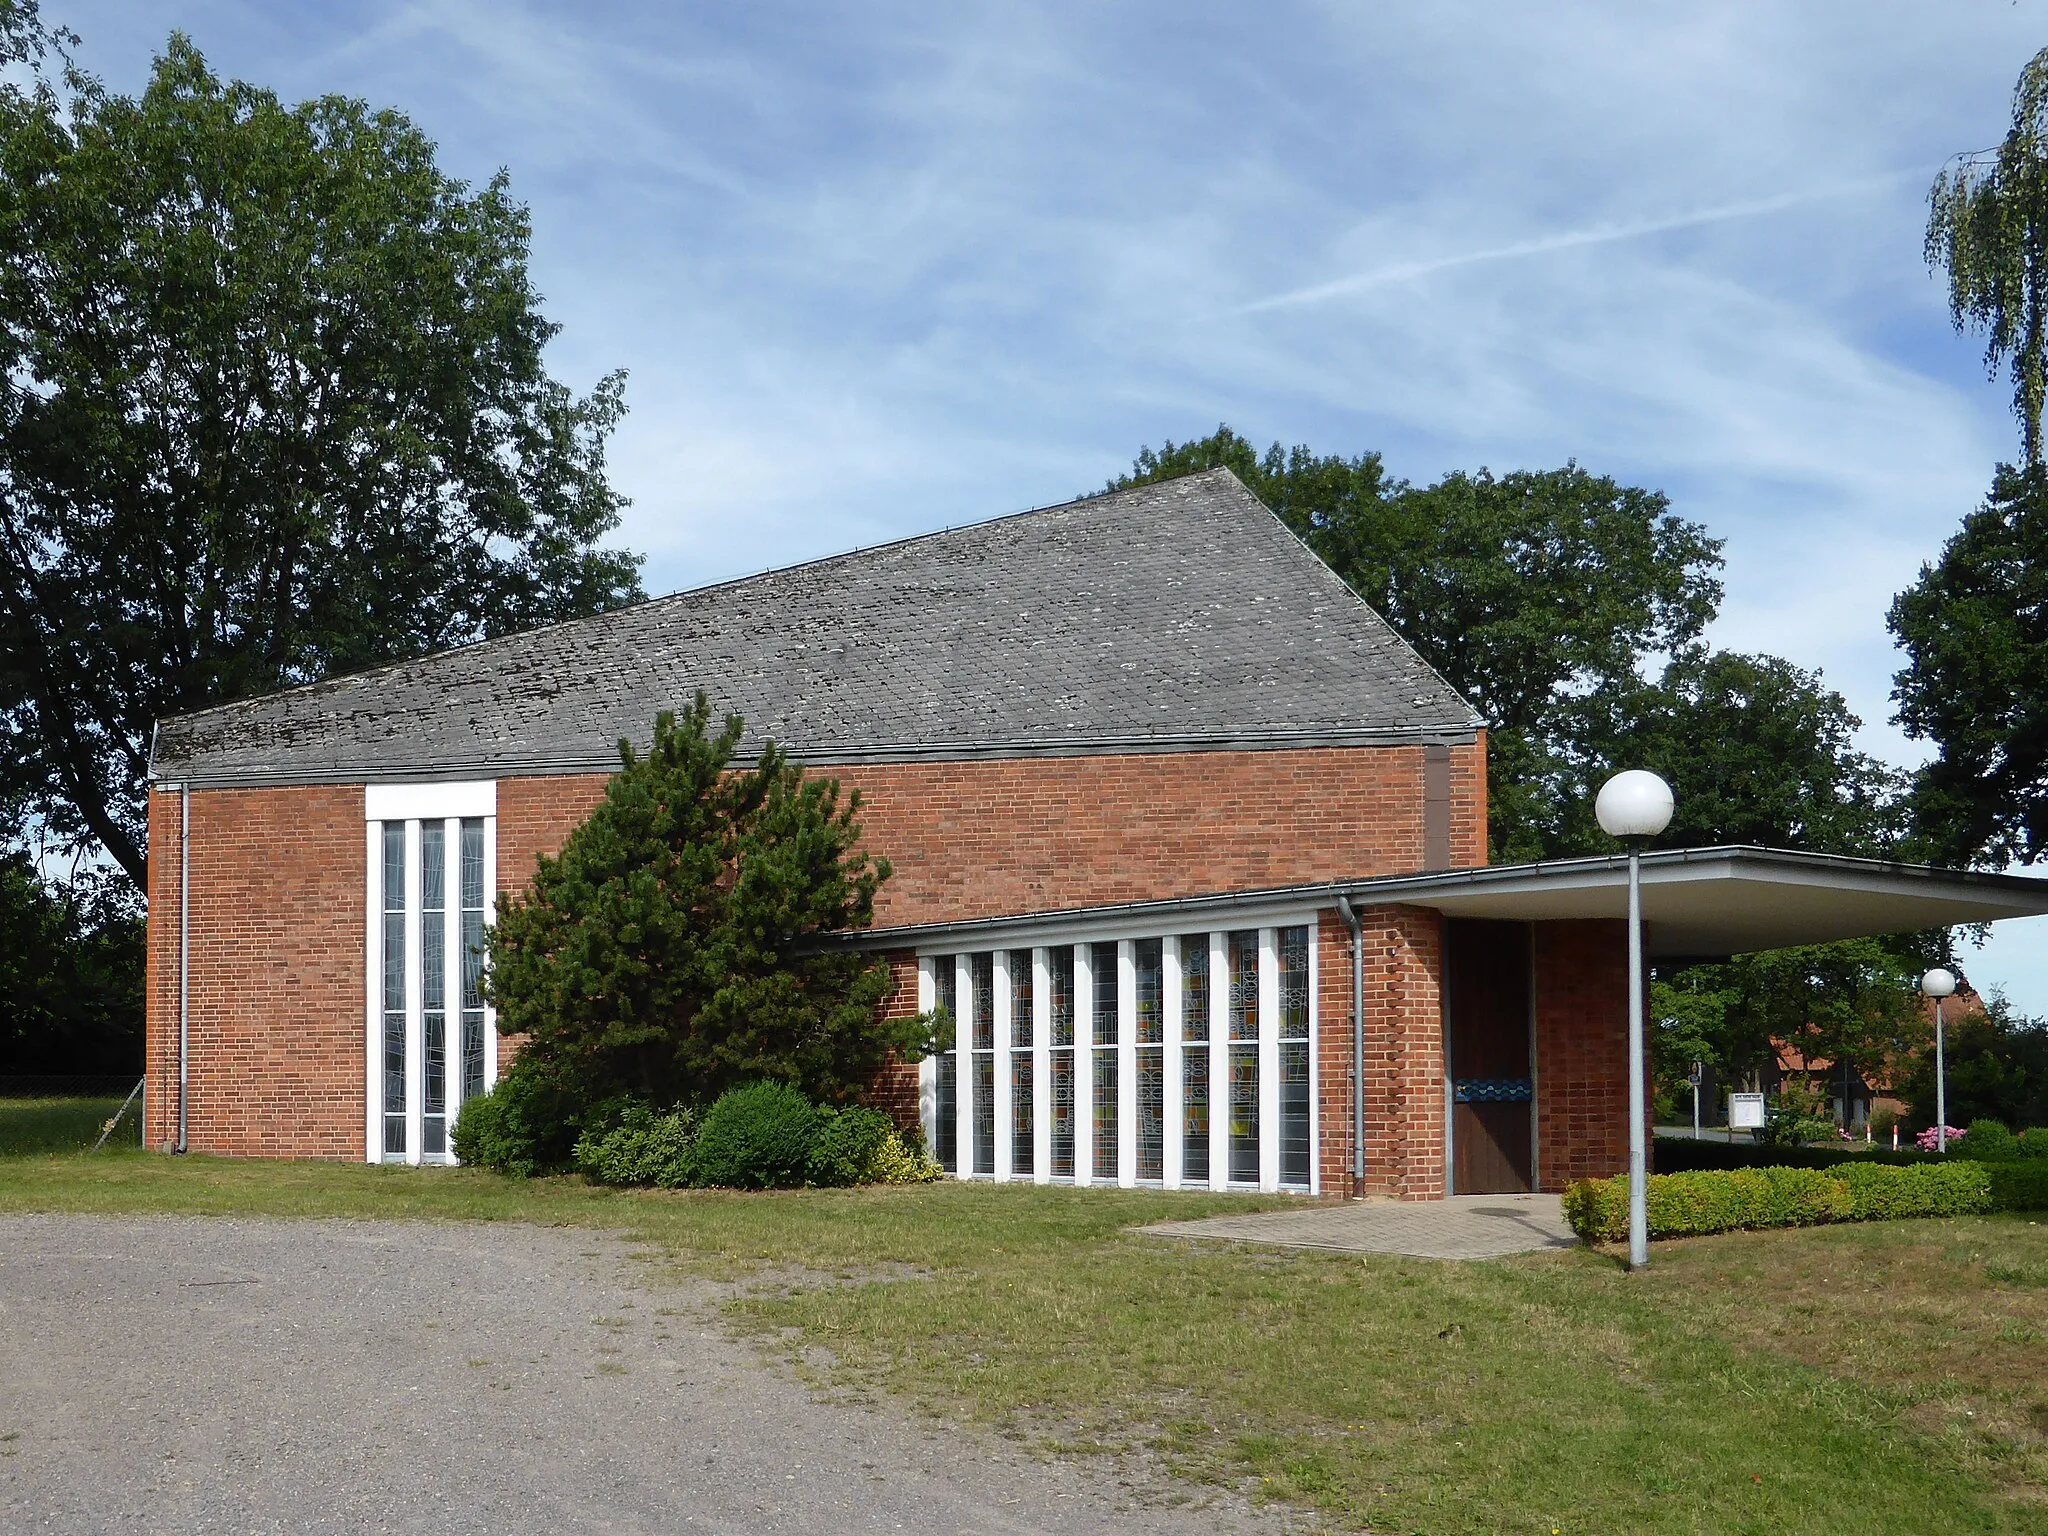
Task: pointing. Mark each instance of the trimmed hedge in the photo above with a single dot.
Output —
(2020, 1186)
(1706, 1200)
(1681, 1154)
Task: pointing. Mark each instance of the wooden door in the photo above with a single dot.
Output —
(1486, 1013)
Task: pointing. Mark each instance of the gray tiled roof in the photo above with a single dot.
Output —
(1173, 616)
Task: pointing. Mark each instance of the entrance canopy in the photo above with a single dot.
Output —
(1698, 903)
(1724, 901)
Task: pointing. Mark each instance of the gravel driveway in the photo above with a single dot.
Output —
(235, 1376)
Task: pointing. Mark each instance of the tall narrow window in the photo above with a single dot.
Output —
(472, 957)
(1244, 1056)
(394, 991)
(434, 989)
(1102, 964)
(1293, 1046)
(1151, 1059)
(1060, 1058)
(981, 970)
(946, 1067)
(1022, 1143)
(1194, 1058)
(431, 1045)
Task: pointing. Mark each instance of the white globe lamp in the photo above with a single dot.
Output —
(1937, 984)
(1633, 805)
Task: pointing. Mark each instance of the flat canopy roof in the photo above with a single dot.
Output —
(1697, 902)
(1728, 901)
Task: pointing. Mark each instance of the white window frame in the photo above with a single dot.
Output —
(410, 805)
(1040, 939)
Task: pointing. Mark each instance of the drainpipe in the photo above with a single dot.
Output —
(1357, 1043)
(184, 953)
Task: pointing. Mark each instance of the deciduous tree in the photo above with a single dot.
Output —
(1527, 591)
(1975, 631)
(1987, 226)
(273, 406)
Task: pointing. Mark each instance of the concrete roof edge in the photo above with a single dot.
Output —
(1659, 866)
(883, 752)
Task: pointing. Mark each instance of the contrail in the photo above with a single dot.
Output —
(1600, 234)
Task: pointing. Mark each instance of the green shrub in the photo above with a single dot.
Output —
(1680, 1154)
(1955, 1188)
(1988, 1141)
(641, 1148)
(848, 1148)
(760, 1136)
(1797, 1115)
(906, 1162)
(2034, 1143)
(2021, 1185)
(523, 1126)
(1705, 1201)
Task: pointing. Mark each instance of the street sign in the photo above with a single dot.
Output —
(1745, 1111)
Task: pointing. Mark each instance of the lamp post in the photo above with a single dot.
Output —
(1938, 984)
(1632, 806)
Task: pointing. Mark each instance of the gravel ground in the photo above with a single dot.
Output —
(241, 1376)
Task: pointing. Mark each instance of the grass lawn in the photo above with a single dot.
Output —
(30, 1127)
(1849, 1379)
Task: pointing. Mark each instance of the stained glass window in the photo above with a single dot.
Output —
(472, 957)
(1103, 968)
(431, 1026)
(945, 994)
(1022, 1143)
(1151, 985)
(981, 972)
(1194, 1110)
(1244, 1114)
(1060, 962)
(1244, 1057)
(394, 990)
(1151, 1096)
(1244, 984)
(1194, 986)
(434, 989)
(1060, 1060)
(1295, 1149)
(984, 1112)
(1194, 1071)
(1102, 965)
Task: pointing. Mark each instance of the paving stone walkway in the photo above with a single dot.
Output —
(1462, 1227)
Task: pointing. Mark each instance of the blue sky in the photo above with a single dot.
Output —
(878, 268)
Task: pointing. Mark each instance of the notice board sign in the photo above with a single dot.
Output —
(1745, 1111)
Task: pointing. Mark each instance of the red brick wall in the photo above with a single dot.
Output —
(278, 892)
(276, 972)
(1404, 1053)
(999, 837)
(980, 839)
(1581, 1051)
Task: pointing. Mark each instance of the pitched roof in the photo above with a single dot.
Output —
(1176, 616)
